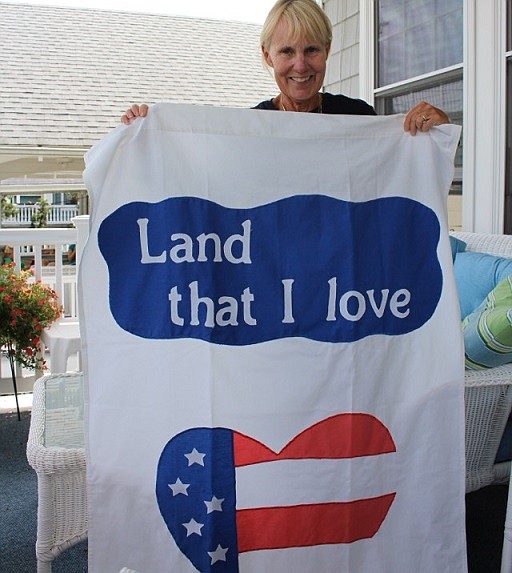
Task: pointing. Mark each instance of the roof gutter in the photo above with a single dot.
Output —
(41, 189)
(42, 150)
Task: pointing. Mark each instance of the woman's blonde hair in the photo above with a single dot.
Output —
(305, 19)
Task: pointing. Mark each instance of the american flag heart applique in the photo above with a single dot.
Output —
(222, 493)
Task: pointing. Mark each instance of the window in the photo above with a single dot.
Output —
(416, 37)
(508, 159)
(419, 57)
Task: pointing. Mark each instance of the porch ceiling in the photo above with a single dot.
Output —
(26, 167)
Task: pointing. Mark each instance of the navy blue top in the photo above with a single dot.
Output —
(334, 104)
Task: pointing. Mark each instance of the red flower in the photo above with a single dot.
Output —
(26, 308)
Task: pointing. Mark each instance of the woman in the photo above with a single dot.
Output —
(295, 42)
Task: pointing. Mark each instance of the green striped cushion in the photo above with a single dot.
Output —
(488, 330)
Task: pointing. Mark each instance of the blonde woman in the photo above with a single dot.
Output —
(295, 43)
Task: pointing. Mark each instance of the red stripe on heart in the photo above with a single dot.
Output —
(340, 436)
(309, 525)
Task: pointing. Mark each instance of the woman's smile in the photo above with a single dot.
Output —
(299, 68)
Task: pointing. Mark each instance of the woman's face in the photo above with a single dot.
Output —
(299, 66)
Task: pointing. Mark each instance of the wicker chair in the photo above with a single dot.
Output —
(55, 450)
(488, 394)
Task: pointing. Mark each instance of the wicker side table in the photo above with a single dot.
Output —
(55, 450)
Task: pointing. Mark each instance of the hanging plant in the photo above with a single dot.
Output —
(26, 308)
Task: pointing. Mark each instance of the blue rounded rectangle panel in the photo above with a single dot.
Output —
(307, 266)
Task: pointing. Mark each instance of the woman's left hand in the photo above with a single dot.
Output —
(423, 116)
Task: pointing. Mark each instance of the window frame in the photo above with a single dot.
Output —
(508, 118)
(484, 77)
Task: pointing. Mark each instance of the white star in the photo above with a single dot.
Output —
(214, 505)
(179, 487)
(195, 457)
(193, 527)
(218, 555)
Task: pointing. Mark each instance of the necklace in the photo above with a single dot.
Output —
(318, 108)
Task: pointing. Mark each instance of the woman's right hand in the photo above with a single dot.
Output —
(134, 112)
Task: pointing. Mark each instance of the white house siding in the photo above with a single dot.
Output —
(343, 66)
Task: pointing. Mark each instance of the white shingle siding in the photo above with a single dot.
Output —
(343, 66)
(68, 74)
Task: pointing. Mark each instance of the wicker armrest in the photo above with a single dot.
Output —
(53, 460)
(61, 474)
(499, 376)
(488, 398)
(500, 245)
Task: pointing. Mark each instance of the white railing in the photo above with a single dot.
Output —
(58, 215)
(44, 251)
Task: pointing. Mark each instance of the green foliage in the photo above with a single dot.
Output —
(7, 209)
(40, 216)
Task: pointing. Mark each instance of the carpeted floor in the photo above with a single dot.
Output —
(18, 506)
(485, 519)
(485, 513)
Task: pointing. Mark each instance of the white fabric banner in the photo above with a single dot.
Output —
(273, 355)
